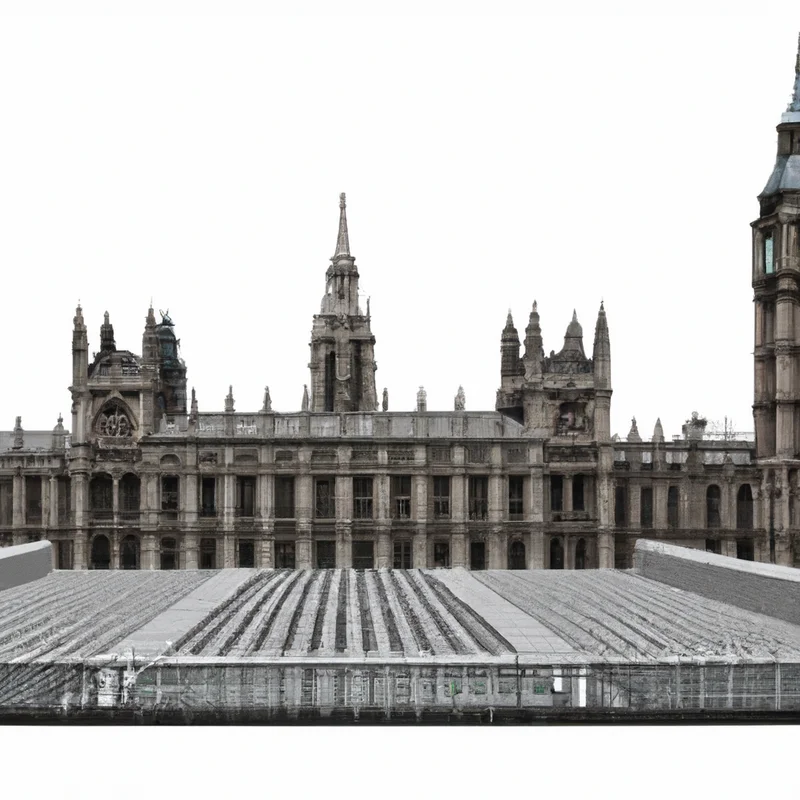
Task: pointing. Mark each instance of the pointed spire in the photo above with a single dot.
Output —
(658, 432)
(107, 344)
(150, 320)
(794, 104)
(305, 402)
(77, 320)
(229, 400)
(422, 399)
(343, 240)
(193, 412)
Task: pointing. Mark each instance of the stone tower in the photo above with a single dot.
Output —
(342, 345)
(776, 286)
(563, 393)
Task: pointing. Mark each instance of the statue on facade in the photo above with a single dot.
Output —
(305, 405)
(460, 400)
(193, 410)
(267, 400)
(164, 423)
(229, 401)
(385, 403)
(422, 399)
(19, 435)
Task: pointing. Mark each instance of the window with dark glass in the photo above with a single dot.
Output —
(402, 554)
(33, 499)
(556, 492)
(441, 554)
(621, 506)
(478, 497)
(646, 507)
(284, 498)
(713, 503)
(745, 549)
(208, 554)
(441, 497)
(169, 494)
(324, 504)
(169, 553)
(247, 553)
(713, 546)
(744, 507)
(401, 496)
(6, 503)
(362, 498)
(326, 555)
(673, 498)
(515, 490)
(245, 496)
(284, 555)
(129, 496)
(208, 497)
(101, 496)
(578, 502)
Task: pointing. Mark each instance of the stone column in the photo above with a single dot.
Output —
(268, 545)
(497, 507)
(149, 554)
(536, 558)
(605, 550)
(189, 498)
(536, 501)
(18, 508)
(114, 539)
(498, 549)
(191, 559)
(660, 489)
(634, 505)
(115, 499)
(53, 521)
(80, 556)
(44, 496)
(725, 505)
(384, 555)
(567, 501)
(419, 555)
(304, 508)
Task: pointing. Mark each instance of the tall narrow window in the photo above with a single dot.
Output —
(769, 253)
(441, 497)
(401, 497)
(621, 506)
(169, 497)
(362, 498)
(673, 498)
(245, 496)
(578, 502)
(479, 497)
(284, 498)
(402, 554)
(646, 509)
(556, 492)
(330, 380)
(33, 499)
(208, 554)
(515, 485)
(325, 506)
(169, 554)
(744, 507)
(247, 553)
(208, 498)
(284, 555)
(6, 502)
(441, 554)
(713, 502)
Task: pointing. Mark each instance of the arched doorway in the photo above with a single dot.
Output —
(101, 552)
(580, 554)
(556, 554)
(516, 555)
(129, 553)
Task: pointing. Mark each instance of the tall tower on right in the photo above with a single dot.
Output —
(776, 286)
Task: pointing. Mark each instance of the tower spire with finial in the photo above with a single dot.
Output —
(794, 104)
(343, 240)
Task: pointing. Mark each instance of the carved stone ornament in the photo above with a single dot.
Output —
(114, 423)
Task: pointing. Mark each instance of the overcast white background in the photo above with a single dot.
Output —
(487, 162)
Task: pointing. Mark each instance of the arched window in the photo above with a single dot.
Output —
(744, 507)
(556, 554)
(129, 552)
(580, 554)
(101, 552)
(516, 555)
(713, 503)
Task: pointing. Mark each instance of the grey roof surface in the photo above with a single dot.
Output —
(785, 175)
(438, 616)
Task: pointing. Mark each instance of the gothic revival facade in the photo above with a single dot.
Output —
(143, 482)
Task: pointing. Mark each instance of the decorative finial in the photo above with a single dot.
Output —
(385, 404)
(794, 104)
(535, 306)
(267, 400)
(460, 400)
(574, 315)
(229, 400)
(422, 399)
(106, 318)
(342, 201)
(305, 402)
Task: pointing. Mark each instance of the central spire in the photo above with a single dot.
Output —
(794, 105)
(343, 240)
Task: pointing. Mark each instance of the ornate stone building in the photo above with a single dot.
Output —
(143, 482)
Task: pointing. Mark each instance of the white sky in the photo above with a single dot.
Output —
(487, 162)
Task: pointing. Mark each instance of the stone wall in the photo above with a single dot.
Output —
(24, 563)
(763, 588)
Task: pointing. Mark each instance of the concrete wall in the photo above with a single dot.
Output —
(763, 588)
(24, 563)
